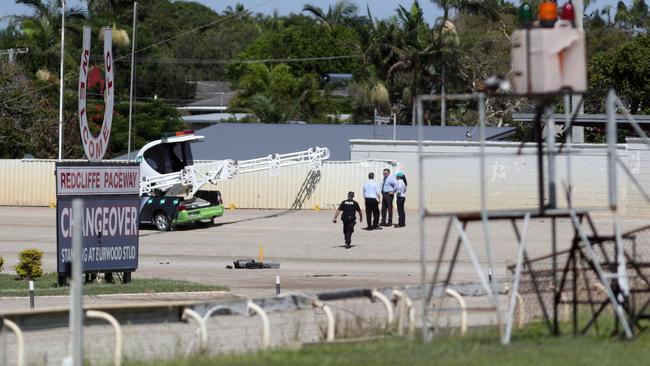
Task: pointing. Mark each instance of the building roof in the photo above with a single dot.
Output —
(241, 141)
(211, 96)
(208, 89)
(584, 119)
(211, 118)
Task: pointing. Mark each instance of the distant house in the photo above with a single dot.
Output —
(241, 141)
(211, 96)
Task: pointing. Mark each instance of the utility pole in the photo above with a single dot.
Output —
(12, 52)
(61, 81)
(578, 132)
(76, 318)
(133, 35)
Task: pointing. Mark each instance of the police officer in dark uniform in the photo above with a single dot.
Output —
(349, 208)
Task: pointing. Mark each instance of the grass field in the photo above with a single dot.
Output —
(531, 347)
(46, 285)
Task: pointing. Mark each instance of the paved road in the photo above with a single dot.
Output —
(306, 244)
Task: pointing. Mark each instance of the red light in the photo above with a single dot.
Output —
(182, 207)
(183, 133)
(568, 12)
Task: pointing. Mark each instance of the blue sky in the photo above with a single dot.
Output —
(379, 8)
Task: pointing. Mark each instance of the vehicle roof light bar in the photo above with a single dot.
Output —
(177, 133)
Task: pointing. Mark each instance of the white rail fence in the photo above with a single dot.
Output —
(397, 316)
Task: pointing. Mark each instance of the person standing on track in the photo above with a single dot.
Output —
(349, 208)
(400, 191)
(387, 194)
(371, 197)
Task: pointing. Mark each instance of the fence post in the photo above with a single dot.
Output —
(389, 307)
(520, 311)
(191, 314)
(331, 324)
(20, 352)
(118, 331)
(463, 311)
(266, 328)
(405, 301)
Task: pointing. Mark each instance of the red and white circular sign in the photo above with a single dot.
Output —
(95, 146)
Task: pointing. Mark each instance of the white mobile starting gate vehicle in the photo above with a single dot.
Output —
(171, 182)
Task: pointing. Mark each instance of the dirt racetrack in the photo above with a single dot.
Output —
(306, 243)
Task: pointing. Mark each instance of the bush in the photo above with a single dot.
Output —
(30, 264)
(2, 262)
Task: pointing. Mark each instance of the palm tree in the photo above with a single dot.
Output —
(41, 31)
(343, 13)
(238, 12)
(634, 18)
(416, 53)
(446, 31)
(112, 6)
(273, 22)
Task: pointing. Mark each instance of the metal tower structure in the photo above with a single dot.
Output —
(604, 257)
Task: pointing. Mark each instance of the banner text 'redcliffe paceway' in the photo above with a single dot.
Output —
(87, 180)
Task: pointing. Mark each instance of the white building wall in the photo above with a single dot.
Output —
(298, 187)
(31, 183)
(27, 182)
(452, 174)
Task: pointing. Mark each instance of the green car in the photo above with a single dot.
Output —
(166, 212)
(197, 211)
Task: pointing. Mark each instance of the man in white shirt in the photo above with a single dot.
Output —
(387, 194)
(371, 196)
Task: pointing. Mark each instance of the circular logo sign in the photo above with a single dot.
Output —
(95, 146)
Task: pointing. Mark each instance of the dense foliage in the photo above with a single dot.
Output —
(277, 63)
(30, 264)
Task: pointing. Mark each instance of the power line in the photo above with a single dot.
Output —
(204, 26)
(235, 61)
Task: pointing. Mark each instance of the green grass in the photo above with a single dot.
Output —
(46, 285)
(531, 347)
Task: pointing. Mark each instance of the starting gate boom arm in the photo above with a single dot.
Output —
(193, 177)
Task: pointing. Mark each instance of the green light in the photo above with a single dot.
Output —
(525, 13)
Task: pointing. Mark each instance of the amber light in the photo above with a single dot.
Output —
(547, 13)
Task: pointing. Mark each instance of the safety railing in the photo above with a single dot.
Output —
(397, 302)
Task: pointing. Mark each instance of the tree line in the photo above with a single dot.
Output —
(277, 64)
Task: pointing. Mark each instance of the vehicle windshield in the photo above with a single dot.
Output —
(169, 157)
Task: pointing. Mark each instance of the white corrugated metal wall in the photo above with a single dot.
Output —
(452, 174)
(27, 183)
(297, 186)
(452, 178)
(31, 183)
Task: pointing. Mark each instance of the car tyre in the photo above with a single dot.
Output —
(161, 221)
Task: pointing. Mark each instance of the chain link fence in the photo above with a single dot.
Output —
(579, 281)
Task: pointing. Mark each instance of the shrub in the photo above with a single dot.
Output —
(30, 264)
(2, 262)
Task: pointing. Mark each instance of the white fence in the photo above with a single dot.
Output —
(451, 177)
(451, 174)
(31, 183)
